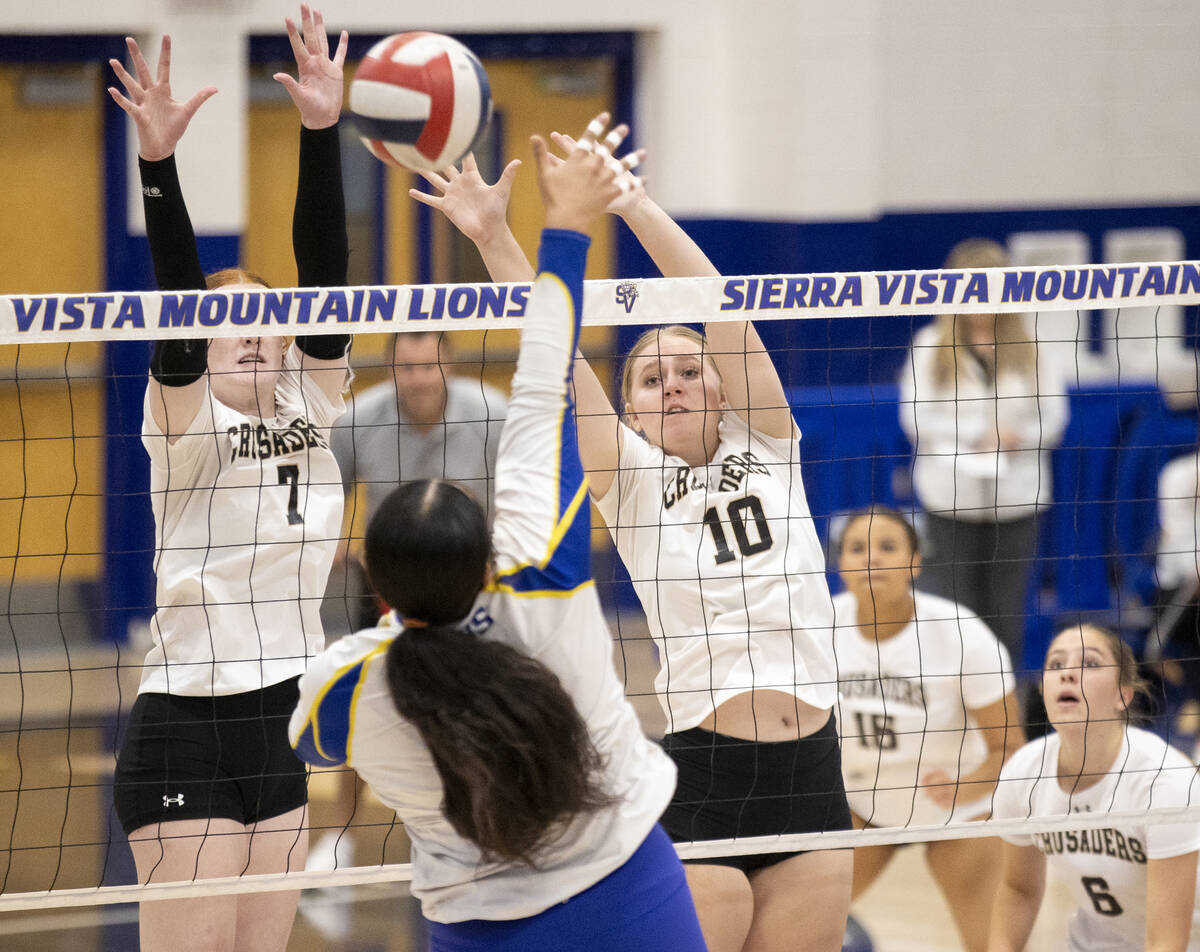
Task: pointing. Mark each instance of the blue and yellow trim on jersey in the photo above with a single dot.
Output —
(325, 739)
(567, 562)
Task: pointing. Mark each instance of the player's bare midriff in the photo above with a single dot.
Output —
(767, 716)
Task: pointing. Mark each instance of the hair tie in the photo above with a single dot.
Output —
(414, 623)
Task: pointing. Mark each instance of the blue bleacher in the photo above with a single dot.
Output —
(1155, 437)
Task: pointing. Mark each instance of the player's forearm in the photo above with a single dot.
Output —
(319, 238)
(981, 782)
(169, 227)
(669, 246)
(503, 257)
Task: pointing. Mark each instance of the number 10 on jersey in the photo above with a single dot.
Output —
(745, 516)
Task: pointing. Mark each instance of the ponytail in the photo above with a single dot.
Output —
(512, 751)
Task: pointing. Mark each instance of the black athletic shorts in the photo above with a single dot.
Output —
(729, 787)
(187, 758)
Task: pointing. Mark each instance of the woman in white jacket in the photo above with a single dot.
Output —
(982, 408)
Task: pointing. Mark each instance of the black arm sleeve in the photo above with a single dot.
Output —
(177, 363)
(173, 363)
(169, 229)
(319, 223)
(319, 238)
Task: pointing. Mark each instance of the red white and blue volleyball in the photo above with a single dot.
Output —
(420, 101)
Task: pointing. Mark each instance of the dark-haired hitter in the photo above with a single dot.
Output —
(247, 509)
(486, 709)
(926, 712)
(1133, 881)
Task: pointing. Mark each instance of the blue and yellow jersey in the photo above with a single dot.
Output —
(542, 602)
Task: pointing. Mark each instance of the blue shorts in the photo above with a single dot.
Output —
(644, 906)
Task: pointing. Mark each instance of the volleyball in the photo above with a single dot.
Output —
(420, 101)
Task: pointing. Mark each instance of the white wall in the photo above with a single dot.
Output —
(793, 109)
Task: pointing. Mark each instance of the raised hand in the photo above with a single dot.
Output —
(577, 189)
(633, 187)
(161, 121)
(475, 208)
(318, 93)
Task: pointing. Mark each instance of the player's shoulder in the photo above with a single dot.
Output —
(473, 400)
(1154, 765)
(376, 401)
(926, 336)
(930, 607)
(344, 656)
(1179, 476)
(323, 721)
(1150, 749)
(954, 618)
(845, 607)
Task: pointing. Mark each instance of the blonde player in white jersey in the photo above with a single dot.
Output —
(1134, 882)
(247, 507)
(926, 712)
(703, 495)
(487, 711)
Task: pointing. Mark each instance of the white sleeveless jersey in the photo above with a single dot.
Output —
(904, 709)
(1105, 868)
(543, 603)
(247, 515)
(728, 568)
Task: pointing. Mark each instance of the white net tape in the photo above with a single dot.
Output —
(131, 316)
(150, 315)
(402, 872)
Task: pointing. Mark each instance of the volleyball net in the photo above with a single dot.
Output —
(77, 555)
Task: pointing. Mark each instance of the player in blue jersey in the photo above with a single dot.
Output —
(485, 709)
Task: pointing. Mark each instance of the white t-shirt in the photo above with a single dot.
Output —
(904, 708)
(729, 570)
(945, 424)
(1179, 521)
(1105, 868)
(544, 603)
(247, 515)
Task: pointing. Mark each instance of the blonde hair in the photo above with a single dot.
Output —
(1016, 351)
(652, 336)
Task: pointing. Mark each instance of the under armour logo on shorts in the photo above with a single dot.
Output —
(172, 801)
(627, 294)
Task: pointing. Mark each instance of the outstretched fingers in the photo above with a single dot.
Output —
(425, 198)
(140, 68)
(132, 87)
(297, 44)
(198, 100)
(509, 175)
(319, 34)
(587, 141)
(164, 61)
(339, 57)
(126, 105)
(436, 180)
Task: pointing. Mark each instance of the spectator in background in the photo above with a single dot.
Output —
(427, 422)
(1175, 639)
(981, 410)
